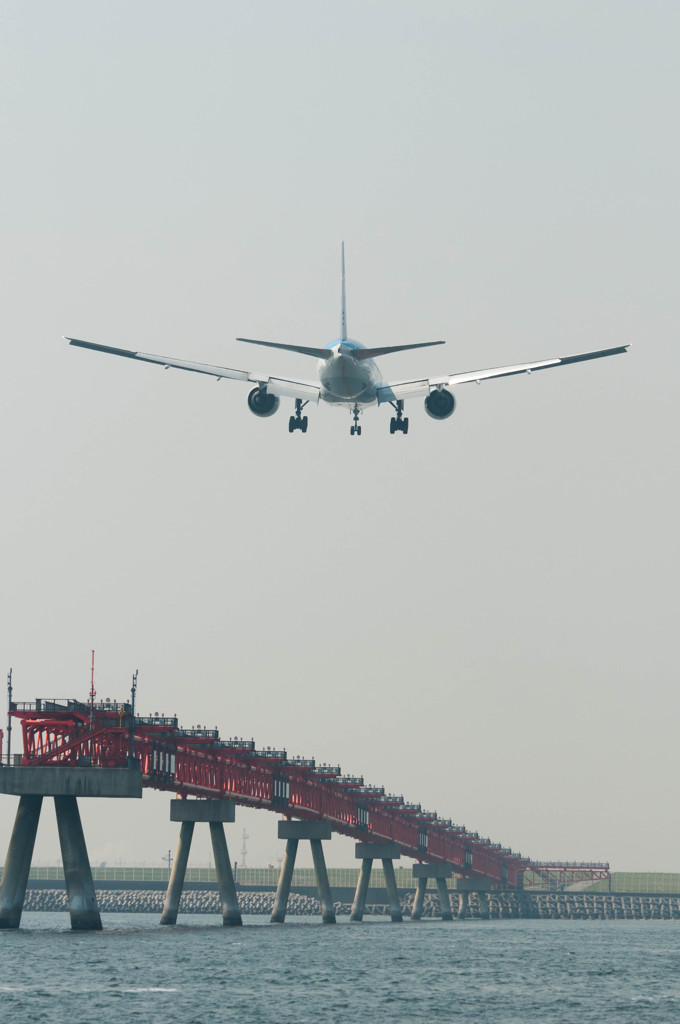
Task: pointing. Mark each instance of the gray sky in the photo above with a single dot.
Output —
(482, 615)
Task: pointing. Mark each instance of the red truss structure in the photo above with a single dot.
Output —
(554, 875)
(198, 763)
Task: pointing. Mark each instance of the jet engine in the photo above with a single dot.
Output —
(440, 404)
(262, 403)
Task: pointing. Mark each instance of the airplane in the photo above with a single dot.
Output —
(348, 376)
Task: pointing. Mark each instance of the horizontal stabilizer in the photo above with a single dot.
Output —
(373, 353)
(305, 350)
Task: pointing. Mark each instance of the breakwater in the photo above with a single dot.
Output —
(576, 906)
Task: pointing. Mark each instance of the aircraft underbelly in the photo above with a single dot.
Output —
(346, 380)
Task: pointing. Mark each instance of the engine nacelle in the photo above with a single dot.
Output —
(262, 403)
(440, 404)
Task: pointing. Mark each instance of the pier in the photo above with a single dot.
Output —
(75, 751)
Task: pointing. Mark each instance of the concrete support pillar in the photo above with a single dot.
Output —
(483, 905)
(417, 912)
(387, 853)
(392, 894)
(62, 780)
(231, 914)
(214, 812)
(359, 904)
(293, 832)
(440, 873)
(285, 878)
(481, 886)
(18, 861)
(82, 902)
(444, 901)
(179, 868)
(322, 883)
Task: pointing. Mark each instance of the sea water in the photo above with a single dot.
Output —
(495, 972)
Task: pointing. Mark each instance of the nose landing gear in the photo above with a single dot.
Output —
(355, 429)
(399, 422)
(298, 422)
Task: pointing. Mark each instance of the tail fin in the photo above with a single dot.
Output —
(343, 308)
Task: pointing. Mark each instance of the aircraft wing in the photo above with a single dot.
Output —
(284, 387)
(414, 388)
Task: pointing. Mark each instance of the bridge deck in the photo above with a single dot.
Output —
(198, 763)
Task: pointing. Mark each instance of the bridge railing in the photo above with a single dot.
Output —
(196, 762)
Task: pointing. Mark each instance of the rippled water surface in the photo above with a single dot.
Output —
(494, 971)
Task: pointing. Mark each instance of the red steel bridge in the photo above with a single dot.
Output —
(198, 763)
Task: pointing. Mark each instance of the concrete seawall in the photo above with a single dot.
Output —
(578, 906)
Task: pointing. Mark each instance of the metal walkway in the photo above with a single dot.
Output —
(198, 763)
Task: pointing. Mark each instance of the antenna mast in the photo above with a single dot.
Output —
(168, 861)
(132, 714)
(9, 717)
(93, 692)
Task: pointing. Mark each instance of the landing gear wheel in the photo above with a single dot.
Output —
(298, 422)
(351, 431)
(398, 422)
(359, 431)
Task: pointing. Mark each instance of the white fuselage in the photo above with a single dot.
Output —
(346, 379)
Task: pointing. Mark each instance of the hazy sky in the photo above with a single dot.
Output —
(481, 615)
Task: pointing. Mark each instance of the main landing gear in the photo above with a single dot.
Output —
(355, 429)
(398, 422)
(298, 422)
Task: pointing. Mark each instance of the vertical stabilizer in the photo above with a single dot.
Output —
(343, 311)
